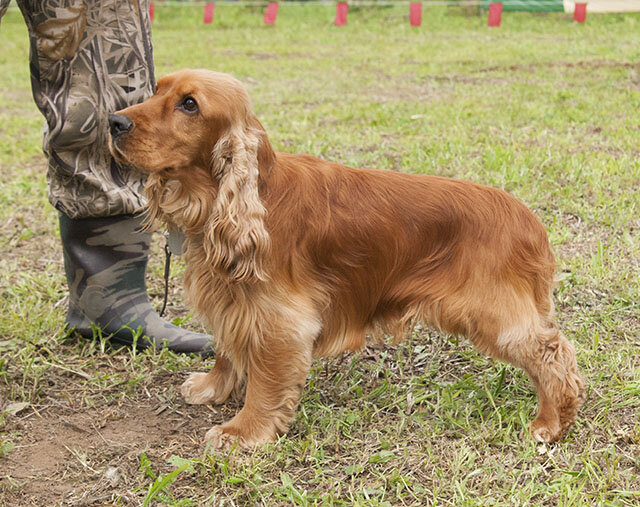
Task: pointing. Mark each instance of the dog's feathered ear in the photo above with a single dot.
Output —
(236, 238)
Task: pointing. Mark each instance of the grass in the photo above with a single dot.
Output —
(542, 107)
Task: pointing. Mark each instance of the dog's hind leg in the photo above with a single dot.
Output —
(561, 388)
(549, 359)
(215, 386)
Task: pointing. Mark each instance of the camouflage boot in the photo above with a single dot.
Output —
(105, 261)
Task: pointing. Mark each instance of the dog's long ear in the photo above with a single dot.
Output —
(236, 238)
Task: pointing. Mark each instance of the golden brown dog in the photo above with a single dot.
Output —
(290, 257)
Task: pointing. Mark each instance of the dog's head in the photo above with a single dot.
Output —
(204, 150)
(178, 128)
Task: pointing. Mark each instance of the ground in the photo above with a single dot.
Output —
(545, 108)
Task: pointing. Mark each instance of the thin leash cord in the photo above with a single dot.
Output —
(167, 270)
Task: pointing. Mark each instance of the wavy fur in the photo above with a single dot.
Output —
(235, 235)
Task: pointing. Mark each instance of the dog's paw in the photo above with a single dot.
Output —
(544, 433)
(197, 389)
(541, 435)
(220, 439)
(230, 434)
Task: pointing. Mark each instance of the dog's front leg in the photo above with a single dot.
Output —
(276, 374)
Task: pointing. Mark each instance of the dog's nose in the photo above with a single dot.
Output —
(119, 124)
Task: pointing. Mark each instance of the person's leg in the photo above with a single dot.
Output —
(105, 261)
(89, 59)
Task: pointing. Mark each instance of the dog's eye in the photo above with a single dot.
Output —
(189, 105)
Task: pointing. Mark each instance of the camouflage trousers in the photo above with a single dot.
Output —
(88, 59)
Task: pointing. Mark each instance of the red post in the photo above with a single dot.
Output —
(415, 13)
(208, 13)
(152, 9)
(580, 12)
(271, 13)
(341, 14)
(495, 13)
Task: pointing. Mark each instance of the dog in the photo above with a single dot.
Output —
(289, 257)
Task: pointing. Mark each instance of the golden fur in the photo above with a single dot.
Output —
(290, 257)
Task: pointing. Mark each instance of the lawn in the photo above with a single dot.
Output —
(542, 107)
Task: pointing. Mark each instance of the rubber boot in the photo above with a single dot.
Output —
(105, 261)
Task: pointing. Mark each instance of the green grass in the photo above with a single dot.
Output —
(542, 107)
